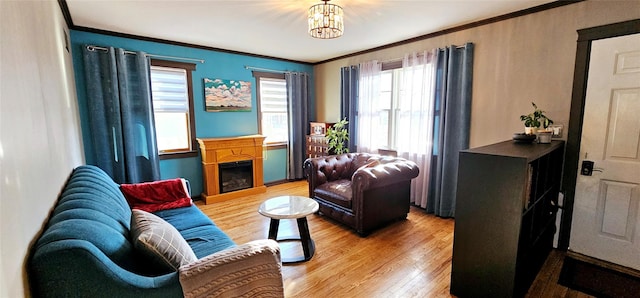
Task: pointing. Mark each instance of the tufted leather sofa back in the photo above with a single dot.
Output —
(336, 167)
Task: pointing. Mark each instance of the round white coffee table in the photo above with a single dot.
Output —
(291, 207)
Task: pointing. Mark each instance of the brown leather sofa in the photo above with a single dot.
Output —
(363, 191)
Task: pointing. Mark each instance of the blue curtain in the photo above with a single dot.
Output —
(121, 114)
(298, 100)
(451, 130)
(349, 102)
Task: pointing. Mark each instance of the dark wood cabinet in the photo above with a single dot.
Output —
(506, 206)
(317, 146)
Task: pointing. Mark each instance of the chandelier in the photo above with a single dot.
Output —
(326, 20)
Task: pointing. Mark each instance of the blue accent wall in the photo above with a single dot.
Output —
(217, 65)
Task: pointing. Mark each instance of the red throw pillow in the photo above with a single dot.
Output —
(157, 195)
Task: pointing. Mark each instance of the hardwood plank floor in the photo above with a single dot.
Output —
(410, 258)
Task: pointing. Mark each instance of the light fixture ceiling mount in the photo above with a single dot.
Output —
(326, 20)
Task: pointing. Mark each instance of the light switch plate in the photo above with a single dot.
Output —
(557, 131)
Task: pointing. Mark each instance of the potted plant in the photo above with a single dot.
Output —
(532, 121)
(337, 137)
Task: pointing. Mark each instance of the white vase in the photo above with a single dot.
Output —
(544, 137)
(530, 130)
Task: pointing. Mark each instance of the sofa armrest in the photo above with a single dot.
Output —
(248, 270)
(383, 174)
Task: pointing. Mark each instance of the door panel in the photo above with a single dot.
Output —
(624, 125)
(606, 223)
(617, 205)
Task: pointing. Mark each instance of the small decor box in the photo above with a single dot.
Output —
(319, 128)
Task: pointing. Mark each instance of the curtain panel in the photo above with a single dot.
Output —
(453, 99)
(415, 116)
(121, 114)
(298, 100)
(349, 102)
(432, 119)
(368, 111)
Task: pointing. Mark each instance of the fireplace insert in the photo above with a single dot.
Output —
(235, 175)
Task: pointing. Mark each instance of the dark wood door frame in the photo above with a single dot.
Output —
(580, 77)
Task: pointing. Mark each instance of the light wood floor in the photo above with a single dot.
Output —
(410, 258)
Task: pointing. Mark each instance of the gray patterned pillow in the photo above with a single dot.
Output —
(158, 239)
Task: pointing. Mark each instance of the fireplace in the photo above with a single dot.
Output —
(231, 167)
(235, 175)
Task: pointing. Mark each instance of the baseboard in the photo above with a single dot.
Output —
(604, 264)
(598, 278)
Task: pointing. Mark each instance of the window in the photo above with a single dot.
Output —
(273, 108)
(172, 95)
(394, 106)
(388, 107)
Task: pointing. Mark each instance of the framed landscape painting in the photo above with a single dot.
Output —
(227, 95)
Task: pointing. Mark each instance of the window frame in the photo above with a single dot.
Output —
(189, 68)
(393, 68)
(258, 75)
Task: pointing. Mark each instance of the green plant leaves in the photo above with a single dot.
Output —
(338, 136)
(533, 119)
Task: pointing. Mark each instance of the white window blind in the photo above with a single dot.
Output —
(273, 107)
(169, 87)
(273, 96)
(170, 94)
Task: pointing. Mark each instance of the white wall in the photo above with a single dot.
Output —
(516, 61)
(39, 129)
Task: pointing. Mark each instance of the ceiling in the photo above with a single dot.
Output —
(278, 28)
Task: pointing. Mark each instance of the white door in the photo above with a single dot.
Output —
(606, 214)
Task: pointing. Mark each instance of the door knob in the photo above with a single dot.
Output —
(587, 168)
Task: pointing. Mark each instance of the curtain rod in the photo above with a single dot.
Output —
(420, 54)
(93, 48)
(265, 69)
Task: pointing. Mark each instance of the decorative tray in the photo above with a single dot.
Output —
(523, 138)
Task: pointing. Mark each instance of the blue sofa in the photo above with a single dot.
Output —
(85, 250)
